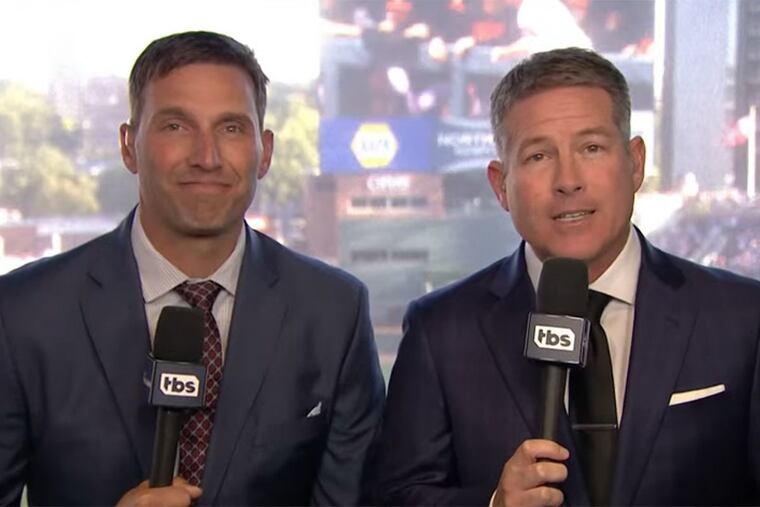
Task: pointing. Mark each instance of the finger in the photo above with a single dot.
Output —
(193, 491)
(523, 471)
(521, 477)
(546, 472)
(536, 497)
(544, 495)
(535, 449)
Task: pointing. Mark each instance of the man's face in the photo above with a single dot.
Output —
(197, 152)
(566, 175)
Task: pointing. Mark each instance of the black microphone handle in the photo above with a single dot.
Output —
(168, 426)
(554, 378)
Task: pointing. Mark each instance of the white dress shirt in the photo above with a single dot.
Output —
(158, 278)
(619, 281)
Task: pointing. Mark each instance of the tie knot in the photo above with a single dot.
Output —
(597, 302)
(199, 295)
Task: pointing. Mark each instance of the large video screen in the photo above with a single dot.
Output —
(443, 57)
(388, 61)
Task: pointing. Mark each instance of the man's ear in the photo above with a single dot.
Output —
(497, 177)
(127, 147)
(267, 147)
(638, 153)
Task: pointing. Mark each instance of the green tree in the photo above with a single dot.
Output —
(117, 190)
(295, 122)
(37, 173)
(28, 121)
(45, 183)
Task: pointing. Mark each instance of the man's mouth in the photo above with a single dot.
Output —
(570, 216)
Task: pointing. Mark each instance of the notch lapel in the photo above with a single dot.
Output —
(114, 315)
(663, 324)
(504, 326)
(257, 319)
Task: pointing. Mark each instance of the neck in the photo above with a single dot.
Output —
(200, 258)
(196, 257)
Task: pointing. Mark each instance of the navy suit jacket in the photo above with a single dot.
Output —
(75, 425)
(462, 397)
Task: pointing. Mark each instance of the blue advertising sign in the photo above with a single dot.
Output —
(350, 145)
(463, 144)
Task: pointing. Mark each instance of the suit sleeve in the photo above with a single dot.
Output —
(14, 438)
(356, 414)
(754, 427)
(415, 463)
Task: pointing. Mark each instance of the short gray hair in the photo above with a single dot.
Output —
(556, 68)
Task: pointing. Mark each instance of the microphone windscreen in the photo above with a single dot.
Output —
(179, 335)
(563, 287)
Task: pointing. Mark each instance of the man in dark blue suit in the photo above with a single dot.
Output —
(301, 390)
(461, 417)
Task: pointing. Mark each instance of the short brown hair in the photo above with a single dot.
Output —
(561, 67)
(168, 53)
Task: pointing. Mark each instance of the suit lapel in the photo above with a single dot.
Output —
(663, 323)
(114, 315)
(257, 319)
(504, 325)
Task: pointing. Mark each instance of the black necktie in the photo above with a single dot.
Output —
(592, 408)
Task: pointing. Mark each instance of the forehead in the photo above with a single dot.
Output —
(201, 86)
(557, 110)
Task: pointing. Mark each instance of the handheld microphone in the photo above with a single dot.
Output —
(178, 383)
(558, 333)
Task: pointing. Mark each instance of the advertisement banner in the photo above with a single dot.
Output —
(463, 144)
(349, 145)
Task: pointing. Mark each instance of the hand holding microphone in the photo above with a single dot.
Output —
(557, 336)
(179, 494)
(177, 385)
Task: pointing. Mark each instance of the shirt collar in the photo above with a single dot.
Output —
(159, 276)
(619, 280)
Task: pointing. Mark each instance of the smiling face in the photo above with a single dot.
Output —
(567, 177)
(198, 152)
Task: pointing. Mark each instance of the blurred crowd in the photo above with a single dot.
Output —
(727, 235)
(412, 43)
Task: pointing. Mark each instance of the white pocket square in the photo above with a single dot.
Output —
(315, 411)
(697, 394)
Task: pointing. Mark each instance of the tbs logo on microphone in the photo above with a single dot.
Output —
(177, 385)
(557, 338)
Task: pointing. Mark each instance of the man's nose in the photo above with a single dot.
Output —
(206, 151)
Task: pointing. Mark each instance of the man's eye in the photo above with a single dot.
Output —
(593, 148)
(536, 157)
(172, 127)
(233, 129)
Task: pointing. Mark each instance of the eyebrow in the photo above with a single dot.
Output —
(592, 131)
(236, 117)
(170, 111)
(595, 131)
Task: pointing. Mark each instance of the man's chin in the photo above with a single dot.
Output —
(582, 254)
(202, 230)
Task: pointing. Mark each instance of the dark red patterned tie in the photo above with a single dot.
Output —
(196, 432)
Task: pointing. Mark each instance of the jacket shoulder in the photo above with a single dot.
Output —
(307, 271)
(471, 291)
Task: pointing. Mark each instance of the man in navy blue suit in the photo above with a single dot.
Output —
(461, 416)
(300, 392)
